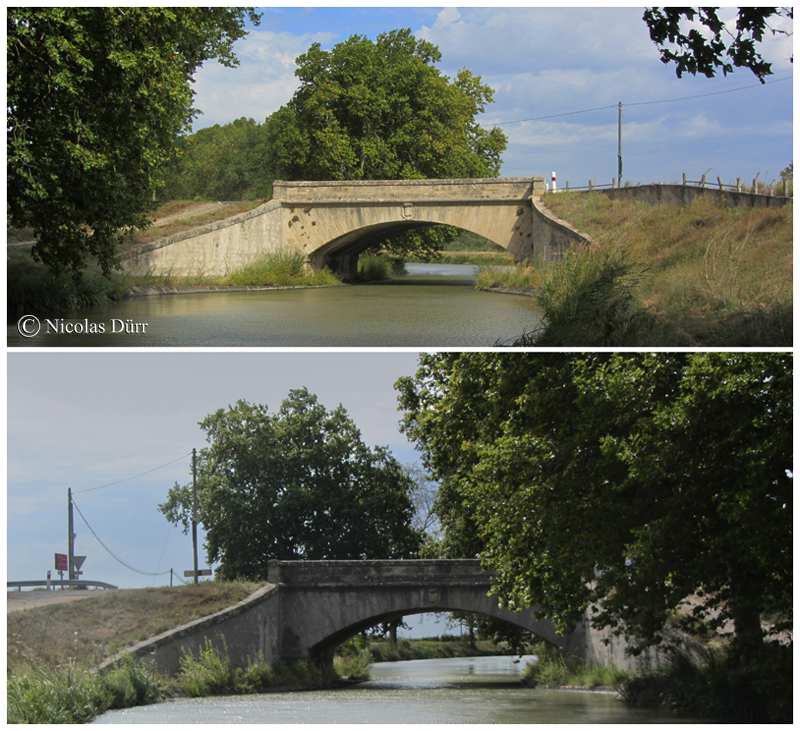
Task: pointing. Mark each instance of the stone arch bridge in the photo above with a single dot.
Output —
(331, 223)
(309, 607)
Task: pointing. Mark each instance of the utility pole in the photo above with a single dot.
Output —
(194, 512)
(71, 539)
(619, 148)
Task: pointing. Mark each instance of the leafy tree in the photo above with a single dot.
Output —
(296, 484)
(381, 111)
(96, 97)
(623, 482)
(705, 51)
(224, 162)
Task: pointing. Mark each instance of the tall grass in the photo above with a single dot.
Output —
(665, 275)
(553, 668)
(212, 672)
(70, 695)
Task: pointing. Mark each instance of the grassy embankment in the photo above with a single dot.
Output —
(53, 653)
(33, 290)
(666, 275)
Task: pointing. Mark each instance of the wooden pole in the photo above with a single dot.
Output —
(194, 511)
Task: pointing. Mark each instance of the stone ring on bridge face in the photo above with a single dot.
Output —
(408, 210)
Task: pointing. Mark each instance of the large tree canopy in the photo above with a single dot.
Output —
(626, 482)
(96, 98)
(381, 111)
(296, 484)
(709, 47)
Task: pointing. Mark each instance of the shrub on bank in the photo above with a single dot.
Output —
(70, 695)
(374, 268)
(552, 668)
(718, 687)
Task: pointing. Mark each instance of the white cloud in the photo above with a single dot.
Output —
(262, 83)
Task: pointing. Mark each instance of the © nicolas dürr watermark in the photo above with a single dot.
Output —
(29, 326)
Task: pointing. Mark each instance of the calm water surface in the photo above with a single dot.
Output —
(435, 305)
(457, 690)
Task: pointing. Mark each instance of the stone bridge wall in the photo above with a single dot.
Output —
(332, 222)
(311, 606)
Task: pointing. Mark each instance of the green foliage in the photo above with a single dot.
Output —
(208, 673)
(553, 668)
(35, 290)
(719, 688)
(67, 695)
(623, 481)
(96, 97)
(373, 268)
(591, 297)
(696, 52)
(296, 484)
(381, 111)
(225, 162)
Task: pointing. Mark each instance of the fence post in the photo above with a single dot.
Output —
(591, 185)
(613, 182)
(684, 179)
(755, 185)
(568, 186)
(703, 181)
(738, 185)
(719, 180)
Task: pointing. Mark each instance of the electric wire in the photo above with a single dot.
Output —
(639, 104)
(114, 555)
(141, 474)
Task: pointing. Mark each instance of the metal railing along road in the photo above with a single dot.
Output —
(62, 582)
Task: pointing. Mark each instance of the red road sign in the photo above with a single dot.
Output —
(62, 563)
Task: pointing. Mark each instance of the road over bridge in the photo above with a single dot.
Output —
(331, 223)
(309, 607)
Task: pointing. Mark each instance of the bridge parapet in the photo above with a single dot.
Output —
(383, 573)
(470, 190)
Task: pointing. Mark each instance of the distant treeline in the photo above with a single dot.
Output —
(228, 162)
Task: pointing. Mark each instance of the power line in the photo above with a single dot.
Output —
(638, 104)
(114, 555)
(141, 474)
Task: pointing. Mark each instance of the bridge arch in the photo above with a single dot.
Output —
(326, 602)
(332, 222)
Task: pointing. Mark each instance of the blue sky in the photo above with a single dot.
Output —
(85, 420)
(543, 62)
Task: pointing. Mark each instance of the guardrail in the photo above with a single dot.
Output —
(62, 582)
(768, 190)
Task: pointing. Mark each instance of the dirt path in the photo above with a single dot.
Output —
(18, 600)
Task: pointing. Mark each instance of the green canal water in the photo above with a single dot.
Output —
(456, 690)
(434, 306)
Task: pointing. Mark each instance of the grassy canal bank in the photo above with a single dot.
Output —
(662, 275)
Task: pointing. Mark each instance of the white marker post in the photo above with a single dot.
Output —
(553, 187)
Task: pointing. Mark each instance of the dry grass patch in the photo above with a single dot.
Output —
(86, 632)
(723, 275)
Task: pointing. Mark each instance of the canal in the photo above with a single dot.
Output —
(455, 690)
(434, 306)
